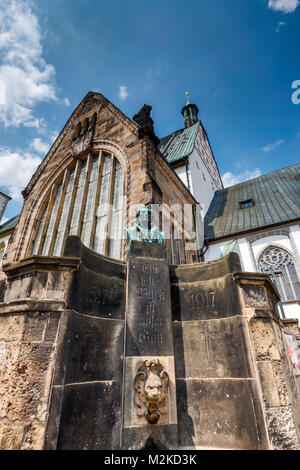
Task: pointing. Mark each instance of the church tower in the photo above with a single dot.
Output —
(190, 113)
(190, 154)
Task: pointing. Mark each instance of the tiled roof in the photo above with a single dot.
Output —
(276, 199)
(180, 144)
(9, 225)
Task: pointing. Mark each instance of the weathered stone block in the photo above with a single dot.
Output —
(219, 414)
(57, 284)
(52, 323)
(11, 436)
(25, 383)
(255, 296)
(91, 418)
(2, 356)
(212, 348)
(265, 346)
(283, 432)
(11, 327)
(98, 295)
(269, 385)
(96, 347)
(34, 436)
(39, 287)
(34, 327)
(205, 300)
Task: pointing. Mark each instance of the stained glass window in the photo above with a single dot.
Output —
(280, 265)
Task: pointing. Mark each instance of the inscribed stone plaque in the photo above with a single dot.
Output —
(204, 300)
(149, 329)
(98, 295)
(212, 348)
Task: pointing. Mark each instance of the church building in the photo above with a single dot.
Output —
(118, 331)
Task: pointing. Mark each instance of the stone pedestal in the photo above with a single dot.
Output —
(218, 400)
(281, 402)
(100, 354)
(85, 409)
(149, 395)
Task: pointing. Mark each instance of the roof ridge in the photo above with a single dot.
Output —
(275, 195)
(261, 176)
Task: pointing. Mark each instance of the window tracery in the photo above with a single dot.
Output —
(279, 264)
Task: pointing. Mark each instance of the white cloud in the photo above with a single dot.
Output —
(43, 146)
(16, 169)
(270, 147)
(66, 102)
(25, 75)
(53, 137)
(40, 146)
(123, 93)
(286, 6)
(230, 179)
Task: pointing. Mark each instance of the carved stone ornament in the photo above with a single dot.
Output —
(151, 385)
(144, 120)
(83, 137)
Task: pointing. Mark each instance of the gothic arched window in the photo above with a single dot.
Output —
(87, 201)
(280, 265)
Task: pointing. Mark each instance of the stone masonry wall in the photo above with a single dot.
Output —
(29, 323)
(27, 344)
(278, 385)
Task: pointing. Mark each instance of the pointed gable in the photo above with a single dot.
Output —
(92, 102)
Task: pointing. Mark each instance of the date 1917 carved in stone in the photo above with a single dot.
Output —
(151, 385)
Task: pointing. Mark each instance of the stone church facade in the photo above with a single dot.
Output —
(205, 335)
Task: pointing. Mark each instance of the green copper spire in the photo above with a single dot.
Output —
(187, 98)
(189, 112)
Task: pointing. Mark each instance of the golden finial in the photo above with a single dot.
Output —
(187, 97)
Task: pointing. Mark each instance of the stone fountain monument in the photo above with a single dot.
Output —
(169, 357)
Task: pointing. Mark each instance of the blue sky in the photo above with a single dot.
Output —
(238, 59)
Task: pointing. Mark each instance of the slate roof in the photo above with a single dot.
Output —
(276, 199)
(9, 224)
(180, 144)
